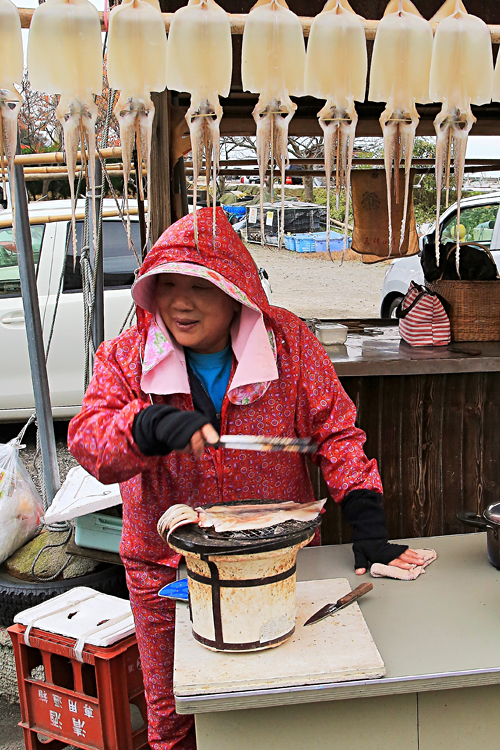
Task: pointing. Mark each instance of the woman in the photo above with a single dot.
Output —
(210, 356)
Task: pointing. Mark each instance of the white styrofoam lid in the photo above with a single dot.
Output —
(80, 494)
(77, 612)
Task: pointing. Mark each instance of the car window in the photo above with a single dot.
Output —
(10, 284)
(118, 259)
(476, 224)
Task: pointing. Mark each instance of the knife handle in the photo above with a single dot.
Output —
(357, 593)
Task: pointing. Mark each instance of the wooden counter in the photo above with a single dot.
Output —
(439, 639)
(431, 417)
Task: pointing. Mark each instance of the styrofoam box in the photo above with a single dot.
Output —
(79, 611)
(79, 494)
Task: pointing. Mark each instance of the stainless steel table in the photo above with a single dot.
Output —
(439, 637)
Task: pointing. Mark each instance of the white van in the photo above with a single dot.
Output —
(481, 219)
(53, 254)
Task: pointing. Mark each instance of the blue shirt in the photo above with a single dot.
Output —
(213, 370)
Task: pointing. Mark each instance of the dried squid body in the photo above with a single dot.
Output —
(199, 61)
(336, 68)
(137, 56)
(461, 75)
(175, 516)
(400, 77)
(273, 65)
(11, 72)
(65, 57)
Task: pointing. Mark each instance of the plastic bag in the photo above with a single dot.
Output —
(20, 505)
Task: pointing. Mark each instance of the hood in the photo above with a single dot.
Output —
(224, 261)
(225, 254)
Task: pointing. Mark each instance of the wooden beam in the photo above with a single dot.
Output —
(237, 21)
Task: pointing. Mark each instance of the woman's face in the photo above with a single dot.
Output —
(197, 313)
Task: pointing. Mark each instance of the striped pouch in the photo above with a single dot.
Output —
(422, 318)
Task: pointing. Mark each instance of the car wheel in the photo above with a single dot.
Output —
(16, 594)
(391, 311)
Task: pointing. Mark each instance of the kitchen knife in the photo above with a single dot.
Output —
(258, 443)
(344, 601)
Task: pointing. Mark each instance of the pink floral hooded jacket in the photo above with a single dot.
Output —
(295, 394)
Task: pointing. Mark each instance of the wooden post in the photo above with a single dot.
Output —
(160, 200)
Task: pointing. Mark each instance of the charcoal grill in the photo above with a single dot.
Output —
(242, 583)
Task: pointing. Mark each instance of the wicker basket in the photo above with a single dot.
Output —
(473, 308)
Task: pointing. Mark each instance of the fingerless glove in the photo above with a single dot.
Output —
(157, 430)
(363, 511)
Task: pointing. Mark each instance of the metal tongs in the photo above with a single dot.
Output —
(259, 443)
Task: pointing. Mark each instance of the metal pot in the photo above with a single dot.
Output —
(489, 522)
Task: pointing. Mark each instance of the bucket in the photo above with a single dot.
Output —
(243, 602)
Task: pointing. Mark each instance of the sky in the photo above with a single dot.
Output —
(478, 147)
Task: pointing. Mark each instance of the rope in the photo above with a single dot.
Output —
(52, 546)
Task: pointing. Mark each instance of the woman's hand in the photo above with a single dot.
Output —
(207, 434)
(405, 561)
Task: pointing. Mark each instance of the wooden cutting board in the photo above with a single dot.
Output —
(337, 649)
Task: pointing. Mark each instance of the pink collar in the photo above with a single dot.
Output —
(164, 366)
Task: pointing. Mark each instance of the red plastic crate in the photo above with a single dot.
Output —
(85, 704)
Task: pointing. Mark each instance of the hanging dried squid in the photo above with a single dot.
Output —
(461, 75)
(11, 72)
(400, 77)
(65, 57)
(199, 61)
(336, 68)
(273, 66)
(137, 56)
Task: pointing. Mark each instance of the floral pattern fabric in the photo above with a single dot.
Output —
(307, 400)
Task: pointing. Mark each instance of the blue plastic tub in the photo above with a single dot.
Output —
(289, 241)
(235, 210)
(336, 242)
(304, 243)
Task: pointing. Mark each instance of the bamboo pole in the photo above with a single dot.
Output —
(58, 157)
(66, 216)
(63, 169)
(237, 21)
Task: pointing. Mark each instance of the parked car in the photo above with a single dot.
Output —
(479, 222)
(53, 254)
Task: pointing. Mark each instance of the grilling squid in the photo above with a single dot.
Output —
(137, 56)
(175, 516)
(400, 77)
(199, 61)
(65, 57)
(336, 67)
(273, 66)
(11, 72)
(242, 517)
(461, 75)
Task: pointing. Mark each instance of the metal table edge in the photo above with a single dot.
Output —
(219, 702)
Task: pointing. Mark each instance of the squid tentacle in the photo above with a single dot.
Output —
(398, 127)
(339, 128)
(203, 118)
(10, 104)
(272, 118)
(458, 123)
(135, 117)
(78, 118)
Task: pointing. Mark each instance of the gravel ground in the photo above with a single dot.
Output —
(313, 286)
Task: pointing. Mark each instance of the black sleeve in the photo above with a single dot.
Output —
(363, 511)
(158, 430)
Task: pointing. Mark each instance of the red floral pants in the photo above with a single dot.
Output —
(155, 622)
